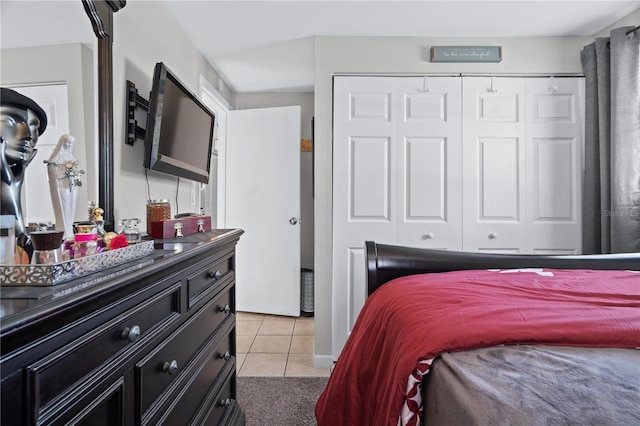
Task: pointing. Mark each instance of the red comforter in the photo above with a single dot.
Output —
(408, 322)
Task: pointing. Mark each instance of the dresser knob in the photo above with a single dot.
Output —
(170, 367)
(226, 356)
(493, 236)
(226, 309)
(427, 236)
(225, 402)
(131, 334)
(214, 275)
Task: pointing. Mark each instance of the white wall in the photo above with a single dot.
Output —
(305, 101)
(401, 55)
(145, 32)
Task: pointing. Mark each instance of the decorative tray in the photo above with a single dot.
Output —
(48, 275)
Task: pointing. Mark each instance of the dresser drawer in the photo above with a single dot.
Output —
(55, 376)
(156, 371)
(209, 375)
(220, 405)
(103, 400)
(206, 276)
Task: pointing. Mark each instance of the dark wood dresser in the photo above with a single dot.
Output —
(151, 341)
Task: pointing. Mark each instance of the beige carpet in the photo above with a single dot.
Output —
(280, 401)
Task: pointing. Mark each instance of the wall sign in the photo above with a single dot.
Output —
(466, 53)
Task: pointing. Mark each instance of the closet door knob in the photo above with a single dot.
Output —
(493, 236)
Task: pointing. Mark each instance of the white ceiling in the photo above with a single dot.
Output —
(267, 46)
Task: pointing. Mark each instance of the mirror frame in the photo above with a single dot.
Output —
(100, 13)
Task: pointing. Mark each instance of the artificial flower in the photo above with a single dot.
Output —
(73, 173)
(119, 241)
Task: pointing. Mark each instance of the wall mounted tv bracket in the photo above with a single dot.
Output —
(135, 101)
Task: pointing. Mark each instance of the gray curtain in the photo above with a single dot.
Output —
(611, 189)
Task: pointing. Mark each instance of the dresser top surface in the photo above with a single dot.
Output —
(17, 302)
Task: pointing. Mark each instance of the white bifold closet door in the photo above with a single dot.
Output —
(554, 165)
(396, 161)
(522, 162)
(494, 163)
(429, 145)
(456, 163)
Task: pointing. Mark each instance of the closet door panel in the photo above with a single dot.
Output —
(364, 188)
(429, 164)
(499, 190)
(425, 176)
(368, 192)
(493, 160)
(554, 165)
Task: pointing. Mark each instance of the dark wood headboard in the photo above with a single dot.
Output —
(386, 262)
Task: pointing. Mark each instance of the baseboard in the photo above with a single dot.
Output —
(322, 361)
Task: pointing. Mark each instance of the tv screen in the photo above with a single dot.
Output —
(179, 131)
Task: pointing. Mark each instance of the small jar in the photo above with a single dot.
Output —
(47, 247)
(157, 210)
(92, 205)
(131, 230)
(84, 245)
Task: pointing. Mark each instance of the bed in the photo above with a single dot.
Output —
(455, 338)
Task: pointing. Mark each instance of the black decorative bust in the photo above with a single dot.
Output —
(22, 121)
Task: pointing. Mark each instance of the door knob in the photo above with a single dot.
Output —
(293, 221)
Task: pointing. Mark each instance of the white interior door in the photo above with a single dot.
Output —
(262, 197)
(36, 199)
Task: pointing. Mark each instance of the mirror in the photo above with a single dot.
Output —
(71, 53)
(100, 14)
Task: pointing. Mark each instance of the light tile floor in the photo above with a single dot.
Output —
(270, 345)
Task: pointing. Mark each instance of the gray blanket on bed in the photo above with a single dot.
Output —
(534, 385)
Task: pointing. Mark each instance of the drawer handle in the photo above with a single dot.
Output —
(225, 402)
(131, 334)
(493, 236)
(427, 236)
(226, 309)
(226, 356)
(170, 367)
(214, 275)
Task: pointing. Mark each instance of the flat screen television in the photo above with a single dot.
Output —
(179, 132)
